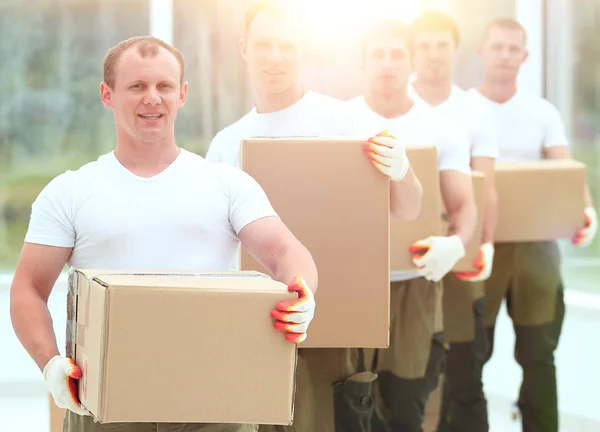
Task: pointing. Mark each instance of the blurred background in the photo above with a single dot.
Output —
(51, 120)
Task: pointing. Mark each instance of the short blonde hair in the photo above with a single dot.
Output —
(147, 46)
(507, 24)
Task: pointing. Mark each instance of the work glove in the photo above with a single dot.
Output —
(61, 374)
(483, 263)
(585, 235)
(435, 256)
(293, 316)
(388, 155)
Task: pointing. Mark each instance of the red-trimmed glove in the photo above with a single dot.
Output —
(293, 316)
(585, 235)
(483, 263)
(388, 155)
(435, 256)
(61, 374)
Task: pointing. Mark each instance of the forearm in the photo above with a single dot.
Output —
(490, 217)
(463, 221)
(296, 260)
(406, 196)
(32, 323)
(588, 197)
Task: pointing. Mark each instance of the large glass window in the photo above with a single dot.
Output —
(51, 117)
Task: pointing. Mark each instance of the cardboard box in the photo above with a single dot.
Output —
(337, 204)
(180, 347)
(424, 161)
(472, 250)
(56, 415)
(539, 200)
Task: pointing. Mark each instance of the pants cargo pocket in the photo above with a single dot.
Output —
(353, 403)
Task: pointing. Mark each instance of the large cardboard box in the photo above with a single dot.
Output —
(539, 200)
(424, 161)
(465, 264)
(56, 415)
(180, 347)
(337, 204)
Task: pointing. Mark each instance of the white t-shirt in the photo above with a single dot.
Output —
(185, 218)
(420, 125)
(472, 116)
(527, 124)
(314, 114)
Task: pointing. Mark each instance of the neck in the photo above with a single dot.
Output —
(498, 91)
(434, 93)
(389, 105)
(146, 159)
(268, 103)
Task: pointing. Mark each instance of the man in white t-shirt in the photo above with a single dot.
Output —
(147, 205)
(271, 49)
(527, 275)
(408, 371)
(463, 405)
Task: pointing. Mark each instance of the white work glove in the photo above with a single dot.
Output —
(483, 263)
(388, 155)
(61, 374)
(435, 256)
(585, 235)
(293, 316)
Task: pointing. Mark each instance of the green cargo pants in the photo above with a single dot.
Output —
(409, 369)
(334, 392)
(528, 276)
(76, 423)
(463, 404)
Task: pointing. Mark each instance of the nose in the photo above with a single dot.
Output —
(275, 54)
(152, 97)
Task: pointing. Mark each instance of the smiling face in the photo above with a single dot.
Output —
(434, 56)
(271, 49)
(146, 93)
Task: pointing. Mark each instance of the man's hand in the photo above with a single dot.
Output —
(61, 374)
(435, 256)
(388, 155)
(483, 263)
(293, 316)
(585, 235)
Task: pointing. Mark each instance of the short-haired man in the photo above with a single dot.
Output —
(148, 204)
(436, 38)
(527, 274)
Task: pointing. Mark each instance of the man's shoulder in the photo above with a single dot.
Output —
(234, 129)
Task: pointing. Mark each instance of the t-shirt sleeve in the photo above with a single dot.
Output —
(248, 201)
(51, 221)
(555, 128)
(485, 137)
(453, 148)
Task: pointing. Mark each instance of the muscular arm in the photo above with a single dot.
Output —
(37, 271)
(490, 212)
(406, 197)
(562, 152)
(457, 194)
(274, 246)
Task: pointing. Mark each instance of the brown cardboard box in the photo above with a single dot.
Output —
(337, 204)
(539, 200)
(424, 161)
(56, 415)
(180, 347)
(472, 250)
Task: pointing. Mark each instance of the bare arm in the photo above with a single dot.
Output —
(562, 152)
(406, 196)
(490, 212)
(36, 274)
(274, 246)
(457, 194)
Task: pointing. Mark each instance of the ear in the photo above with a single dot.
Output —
(183, 94)
(243, 47)
(479, 50)
(105, 95)
(525, 55)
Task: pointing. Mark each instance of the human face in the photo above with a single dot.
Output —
(503, 52)
(434, 56)
(387, 65)
(271, 49)
(146, 95)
